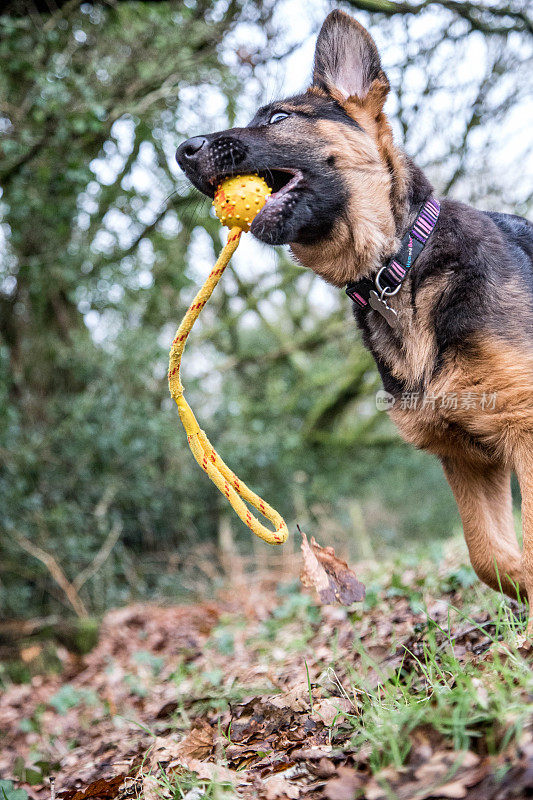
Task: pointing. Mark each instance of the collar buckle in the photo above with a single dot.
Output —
(385, 291)
(374, 293)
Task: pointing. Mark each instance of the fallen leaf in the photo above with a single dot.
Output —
(207, 770)
(271, 735)
(315, 753)
(331, 710)
(297, 698)
(330, 576)
(194, 794)
(279, 787)
(381, 790)
(524, 645)
(150, 788)
(455, 790)
(167, 710)
(431, 779)
(344, 786)
(198, 743)
(440, 763)
(100, 788)
(31, 653)
(325, 768)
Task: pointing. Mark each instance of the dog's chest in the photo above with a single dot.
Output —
(473, 398)
(405, 352)
(438, 401)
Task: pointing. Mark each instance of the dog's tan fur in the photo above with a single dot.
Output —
(375, 172)
(372, 235)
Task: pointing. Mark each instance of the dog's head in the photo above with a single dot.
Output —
(327, 155)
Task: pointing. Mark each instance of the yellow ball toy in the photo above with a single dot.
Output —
(239, 199)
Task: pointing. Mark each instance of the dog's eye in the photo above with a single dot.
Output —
(277, 117)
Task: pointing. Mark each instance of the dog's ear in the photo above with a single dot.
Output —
(347, 62)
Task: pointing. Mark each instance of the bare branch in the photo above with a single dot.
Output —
(480, 17)
(55, 571)
(13, 169)
(100, 558)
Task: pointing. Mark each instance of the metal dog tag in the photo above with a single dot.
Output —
(385, 310)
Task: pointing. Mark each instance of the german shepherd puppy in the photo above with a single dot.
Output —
(344, 196)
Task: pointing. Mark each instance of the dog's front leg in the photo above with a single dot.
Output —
(524, 472)
(483, 494)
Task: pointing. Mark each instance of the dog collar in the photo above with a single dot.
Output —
(373, 293)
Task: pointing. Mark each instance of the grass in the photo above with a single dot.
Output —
(182, 784)
(190, 786)
(466, 704)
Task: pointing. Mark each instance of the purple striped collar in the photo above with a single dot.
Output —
(369, 293)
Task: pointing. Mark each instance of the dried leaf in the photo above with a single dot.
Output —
(440, 763)
(271, 735)
(331, 710)
(101, 788)
(279, 787)
(29, 654)
(207, 770)
(198, 743)
(325, 768)
(426, 782)
(150, 788)
(344, 786)
(167, 710)
(330, 576)
(455, 790)
(297, 698)
(315, 753)
(524, 645)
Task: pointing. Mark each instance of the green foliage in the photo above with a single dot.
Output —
(8, 792)
(189, 784)
(69, 697)
(102, 245)
(459, 680)
(93, 100)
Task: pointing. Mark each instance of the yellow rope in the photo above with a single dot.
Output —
(205, 454)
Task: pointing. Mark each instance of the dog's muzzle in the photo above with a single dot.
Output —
(207, 159)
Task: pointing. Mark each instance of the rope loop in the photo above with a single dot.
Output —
(235, 490)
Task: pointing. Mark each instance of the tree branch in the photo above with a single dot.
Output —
(480, 17)
(99, 559)
(13, 169)
(55, 571)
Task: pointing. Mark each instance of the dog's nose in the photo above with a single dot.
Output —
(187, 152)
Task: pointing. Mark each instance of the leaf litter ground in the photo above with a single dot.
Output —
(424, 690)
